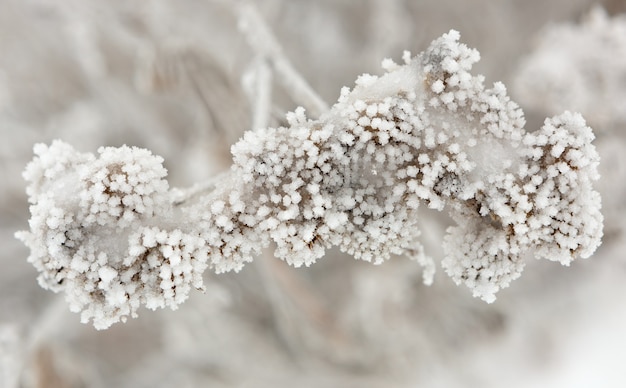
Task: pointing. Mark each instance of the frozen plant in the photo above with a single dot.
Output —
(108, 232)
(583, 66)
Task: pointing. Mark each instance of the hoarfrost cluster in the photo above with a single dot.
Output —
(107, 231)
(93, 232)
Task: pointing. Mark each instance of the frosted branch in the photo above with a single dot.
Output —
(104, 230)
(263, 41)
(258, 85)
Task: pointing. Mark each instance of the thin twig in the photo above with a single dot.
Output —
(264, 43)
(261, 93)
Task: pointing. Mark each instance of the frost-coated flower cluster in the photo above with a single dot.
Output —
(93, 232)
(104, 230)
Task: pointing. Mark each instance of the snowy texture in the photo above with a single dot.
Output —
(582, 66)
(106, 232)
(90, 234)
(427, 131)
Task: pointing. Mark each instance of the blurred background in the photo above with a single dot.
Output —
(177, 77)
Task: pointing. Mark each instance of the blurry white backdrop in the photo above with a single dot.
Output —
(173, 77)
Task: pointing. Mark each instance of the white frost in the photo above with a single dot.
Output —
(103, 228)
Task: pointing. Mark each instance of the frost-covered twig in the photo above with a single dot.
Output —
(258, 86)
(104, 231)
(267, 47)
